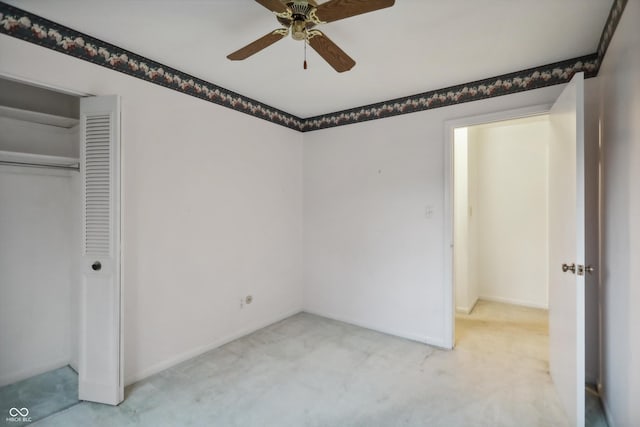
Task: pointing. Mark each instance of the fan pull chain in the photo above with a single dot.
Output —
(305, 54)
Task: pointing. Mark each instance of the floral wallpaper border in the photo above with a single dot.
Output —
(534, 78)
(610, 28)
(35, 29)
(18, 23)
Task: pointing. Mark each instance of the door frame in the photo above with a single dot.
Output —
(449, 126)
(74, 92)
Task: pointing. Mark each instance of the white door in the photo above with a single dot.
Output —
(100, 346)
(567, 249)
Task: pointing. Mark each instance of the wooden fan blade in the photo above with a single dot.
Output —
(331, 53)
(334, 10)
(258, 45)
(273, 5)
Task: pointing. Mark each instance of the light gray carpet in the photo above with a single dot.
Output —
(311, 371)
(42, 395)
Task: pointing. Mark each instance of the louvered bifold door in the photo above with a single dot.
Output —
(100, 377)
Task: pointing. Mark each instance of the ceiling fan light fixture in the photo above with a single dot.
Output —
(299, 6)
(300, 17)
(299, 30)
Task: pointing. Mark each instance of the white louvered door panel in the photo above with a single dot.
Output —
(98, 218)
(100, 369)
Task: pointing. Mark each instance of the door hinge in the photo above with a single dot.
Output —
(579, 269)
(585, 269)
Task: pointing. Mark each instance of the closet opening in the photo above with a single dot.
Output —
(40, 229)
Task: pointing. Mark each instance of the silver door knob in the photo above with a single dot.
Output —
(569, 267)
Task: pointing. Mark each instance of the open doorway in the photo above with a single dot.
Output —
(501, 213)
(500, 256)
(40, 225)
(503, 269)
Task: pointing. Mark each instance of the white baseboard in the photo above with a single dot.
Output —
(464, 310)
(605, 406)
(467, 310)
(14, 377)
(166, 364)
(513, 301)
(424, 339)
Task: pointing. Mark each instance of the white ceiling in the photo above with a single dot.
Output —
(412, 47)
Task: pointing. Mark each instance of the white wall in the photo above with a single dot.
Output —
(620, 132)
(37, 220)
(75, 234)
(372, 256)
(509, 211)
(212, 202)
(473, 234)
(465, 283)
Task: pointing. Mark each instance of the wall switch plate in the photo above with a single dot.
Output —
(428, 212)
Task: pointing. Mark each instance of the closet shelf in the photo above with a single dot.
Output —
(36, 117)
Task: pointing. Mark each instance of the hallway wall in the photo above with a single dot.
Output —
(620, 268)
(509, 211)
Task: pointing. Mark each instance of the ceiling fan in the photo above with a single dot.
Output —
(300, 17)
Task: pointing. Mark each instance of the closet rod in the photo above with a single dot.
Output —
(40, 165)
